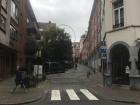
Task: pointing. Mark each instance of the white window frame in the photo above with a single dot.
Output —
(14, 11)
(119, 15)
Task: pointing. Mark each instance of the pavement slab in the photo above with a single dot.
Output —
(114, 92)
(20, 96)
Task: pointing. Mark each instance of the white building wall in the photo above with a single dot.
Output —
(131, 17)
(131, 14)
(108, 21)
(131, 10)
(2, 38)
(126, 35)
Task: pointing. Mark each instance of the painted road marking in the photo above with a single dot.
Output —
(89, 95)
(55, 96)
(72, 95)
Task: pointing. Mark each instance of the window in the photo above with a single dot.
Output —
(13, 33)
(118, 13)
(2, 22)
(4, 3)
(14, 11)
(27, 20)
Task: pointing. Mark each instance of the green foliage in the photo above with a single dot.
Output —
(31, 46)
(57, 45)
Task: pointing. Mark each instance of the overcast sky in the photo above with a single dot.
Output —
(74, 13)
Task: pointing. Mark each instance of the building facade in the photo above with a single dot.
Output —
(84, 51)
(91, 44)
(13, 35)
(76, 51)
(8, 37)
(121, 33)
(82, 45)
(115, 26)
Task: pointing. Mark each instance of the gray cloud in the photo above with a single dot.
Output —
(74, 13)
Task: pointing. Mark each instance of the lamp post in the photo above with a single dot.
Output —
(69, 27)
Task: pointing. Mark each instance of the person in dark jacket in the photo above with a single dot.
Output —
(18, 78)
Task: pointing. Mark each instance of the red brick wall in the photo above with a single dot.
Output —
(22, 34)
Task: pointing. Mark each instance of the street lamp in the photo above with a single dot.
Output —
(69, 27)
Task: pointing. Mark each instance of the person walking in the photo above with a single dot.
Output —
(75, 66)
(24, 83)
(88, 74)
(18, 78)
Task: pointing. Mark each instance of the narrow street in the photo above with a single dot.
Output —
(69, 52)
(70, 89)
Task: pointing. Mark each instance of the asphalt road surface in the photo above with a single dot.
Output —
(69, 89)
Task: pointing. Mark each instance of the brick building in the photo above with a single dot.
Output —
(91, 44)
(13, 35)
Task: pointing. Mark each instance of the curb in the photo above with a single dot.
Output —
(26, 102)
(124, 101)
(117, 100)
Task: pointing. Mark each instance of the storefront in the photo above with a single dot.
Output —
(7, 61)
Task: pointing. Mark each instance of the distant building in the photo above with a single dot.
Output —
(82, 41)
(76, 51)
(44, 25)
(83, 37)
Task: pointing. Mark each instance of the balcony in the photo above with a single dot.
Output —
(13, 35)
(32, 28)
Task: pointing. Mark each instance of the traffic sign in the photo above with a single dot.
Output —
(103, 49)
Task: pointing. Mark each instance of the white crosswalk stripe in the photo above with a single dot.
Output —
(55, 96)
(89, 95)
(72, 95)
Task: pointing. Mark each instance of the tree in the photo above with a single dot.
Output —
(31, 49)
(31, 46)
(57, 45)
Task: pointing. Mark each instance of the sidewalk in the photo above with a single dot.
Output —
(33, 94)
(115, 93)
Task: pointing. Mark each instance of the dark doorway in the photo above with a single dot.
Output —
(119, 55)
(138, 63)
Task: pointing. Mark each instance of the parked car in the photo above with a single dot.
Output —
(69, 64)
(54, 67)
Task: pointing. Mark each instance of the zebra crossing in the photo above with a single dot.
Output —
(70, 94)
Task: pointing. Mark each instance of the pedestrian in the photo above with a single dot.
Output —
(25, 80)
(75, 66)
(18, 78)
(88, 74)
